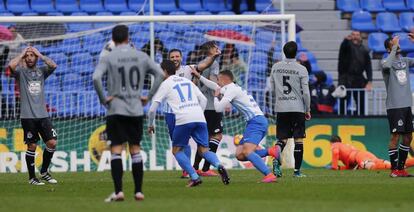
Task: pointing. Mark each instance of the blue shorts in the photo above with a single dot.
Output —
(255, 131)
(197, 130)
(170, 120)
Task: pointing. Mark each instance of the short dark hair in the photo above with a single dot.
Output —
(387, 43)
(120, 33)
(168, 66)
(208, 45)
(290, 49)
(227, 73)
(175, 50)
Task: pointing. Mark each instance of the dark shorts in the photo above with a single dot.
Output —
(290, 125)
(121, 129)
(33, 127)
(214, 122)
(400, 120)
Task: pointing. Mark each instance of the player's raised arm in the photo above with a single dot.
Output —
(100, 70)
(392, 44)
(212, 52)
(49, 62)
(208, 83)
(16, 61)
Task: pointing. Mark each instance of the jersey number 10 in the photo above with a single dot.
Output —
(179, 89)
(132, 71)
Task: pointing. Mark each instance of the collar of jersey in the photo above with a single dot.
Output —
(290, 59)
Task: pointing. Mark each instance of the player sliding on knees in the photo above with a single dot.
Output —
(187, 103)
(34, 117)
(257, 124)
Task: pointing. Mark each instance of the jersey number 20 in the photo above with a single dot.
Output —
(179, 89)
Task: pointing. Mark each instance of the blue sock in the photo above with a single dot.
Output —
(262, 152)
(187, 151)
(258, 163)
(211, 158)
(185, 164)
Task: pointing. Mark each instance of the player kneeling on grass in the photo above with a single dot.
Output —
(34, 117)
(257, 124)
(187, 103)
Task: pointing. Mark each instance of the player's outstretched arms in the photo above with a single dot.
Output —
(387, 62)
(15, 61)
(208, 83)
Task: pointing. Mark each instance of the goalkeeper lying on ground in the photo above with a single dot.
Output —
(353, 158)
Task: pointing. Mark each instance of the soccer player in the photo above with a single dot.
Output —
(187, 103)
(257, 124)
(395, 71)
(126, 69)
(214, 118)
(289, 83)
(34, 117)
(175, 55)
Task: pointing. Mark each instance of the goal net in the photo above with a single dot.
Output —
(75, 43)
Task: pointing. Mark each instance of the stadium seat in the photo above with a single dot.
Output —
(215, 6)
(191, 5)
(372, 5)
(395, 5)
(226, 13)
(362, 21)
(348, 5)
(81, 59)
(127, 13)
(91, 6)
(410, 4)
(407, 21)
(52, 83)
(54, 14)
(71, 82)
(136, 5)
(59, 58)
(71, 45)
(250, 13)
(103, 24)
(177, 13)
(203, 13)
(388, 22)
(42, 6)
(405, 44)
(376, 42)
(84, 69)
(2, 7)
(67, 6)
(94, 43)
(76, 27)
(30, 14)
(165, 6)
(261, 5)
(18, 6)
(116, 5)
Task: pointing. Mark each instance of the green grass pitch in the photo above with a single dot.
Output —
(322, 190)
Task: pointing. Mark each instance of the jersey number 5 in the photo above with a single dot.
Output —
(287, 85)
(132, 71)
(179, 89)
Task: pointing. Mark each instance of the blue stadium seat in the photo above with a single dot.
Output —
(94, 43)
(362, 21)
(227, 13)
(264, 37)
(76, 27)
(250, 13)
(30, 14)
(127, 13)
(177, 13)
(261, 5)
(54, 14)
(243, 5)
(71, 82)
(103, 24)
(67, 6)
(165, 6)
(52, 83)
(376, 42)
(191, 5)
(59, 58)
(348, 5)
(388, 22)
(6, 14)
(372, 5)
(215, 6)
(42, 6)
(405, 44)
(84, 69)
(395, 5)
(81, 59)
(89, 104)
(71, 45)
(91, 6)
(63, 69)
(407, 21)
(410, 4)
(203, 13)
(116, 5)
(136, 5)
(18, 6)
(2, 7)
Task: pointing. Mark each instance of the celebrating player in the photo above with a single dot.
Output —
(395, 70)
(34, 117)
(289, 83)
(175, 55)
(126, 69)
(214, 118)
(257, 124)
(187, 103)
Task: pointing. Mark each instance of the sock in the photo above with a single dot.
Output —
(185, 164)
(262, 152)
(197, 161)
(281, 144)
(258, 163)
(393, 158)
(298, 155)
(137, 171)
(213, 144)
(402, 156)
(117, 171)
(47, 157)
(187, 151)
(211, 158)
(30, 162)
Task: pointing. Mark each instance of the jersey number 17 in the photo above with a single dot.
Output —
(179, 90)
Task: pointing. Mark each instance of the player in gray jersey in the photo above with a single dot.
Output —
(126, 69)
(289, 84)
(34, 117)
(395, 70)
(213, 118)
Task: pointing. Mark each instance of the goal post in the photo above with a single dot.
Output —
(74, 43)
